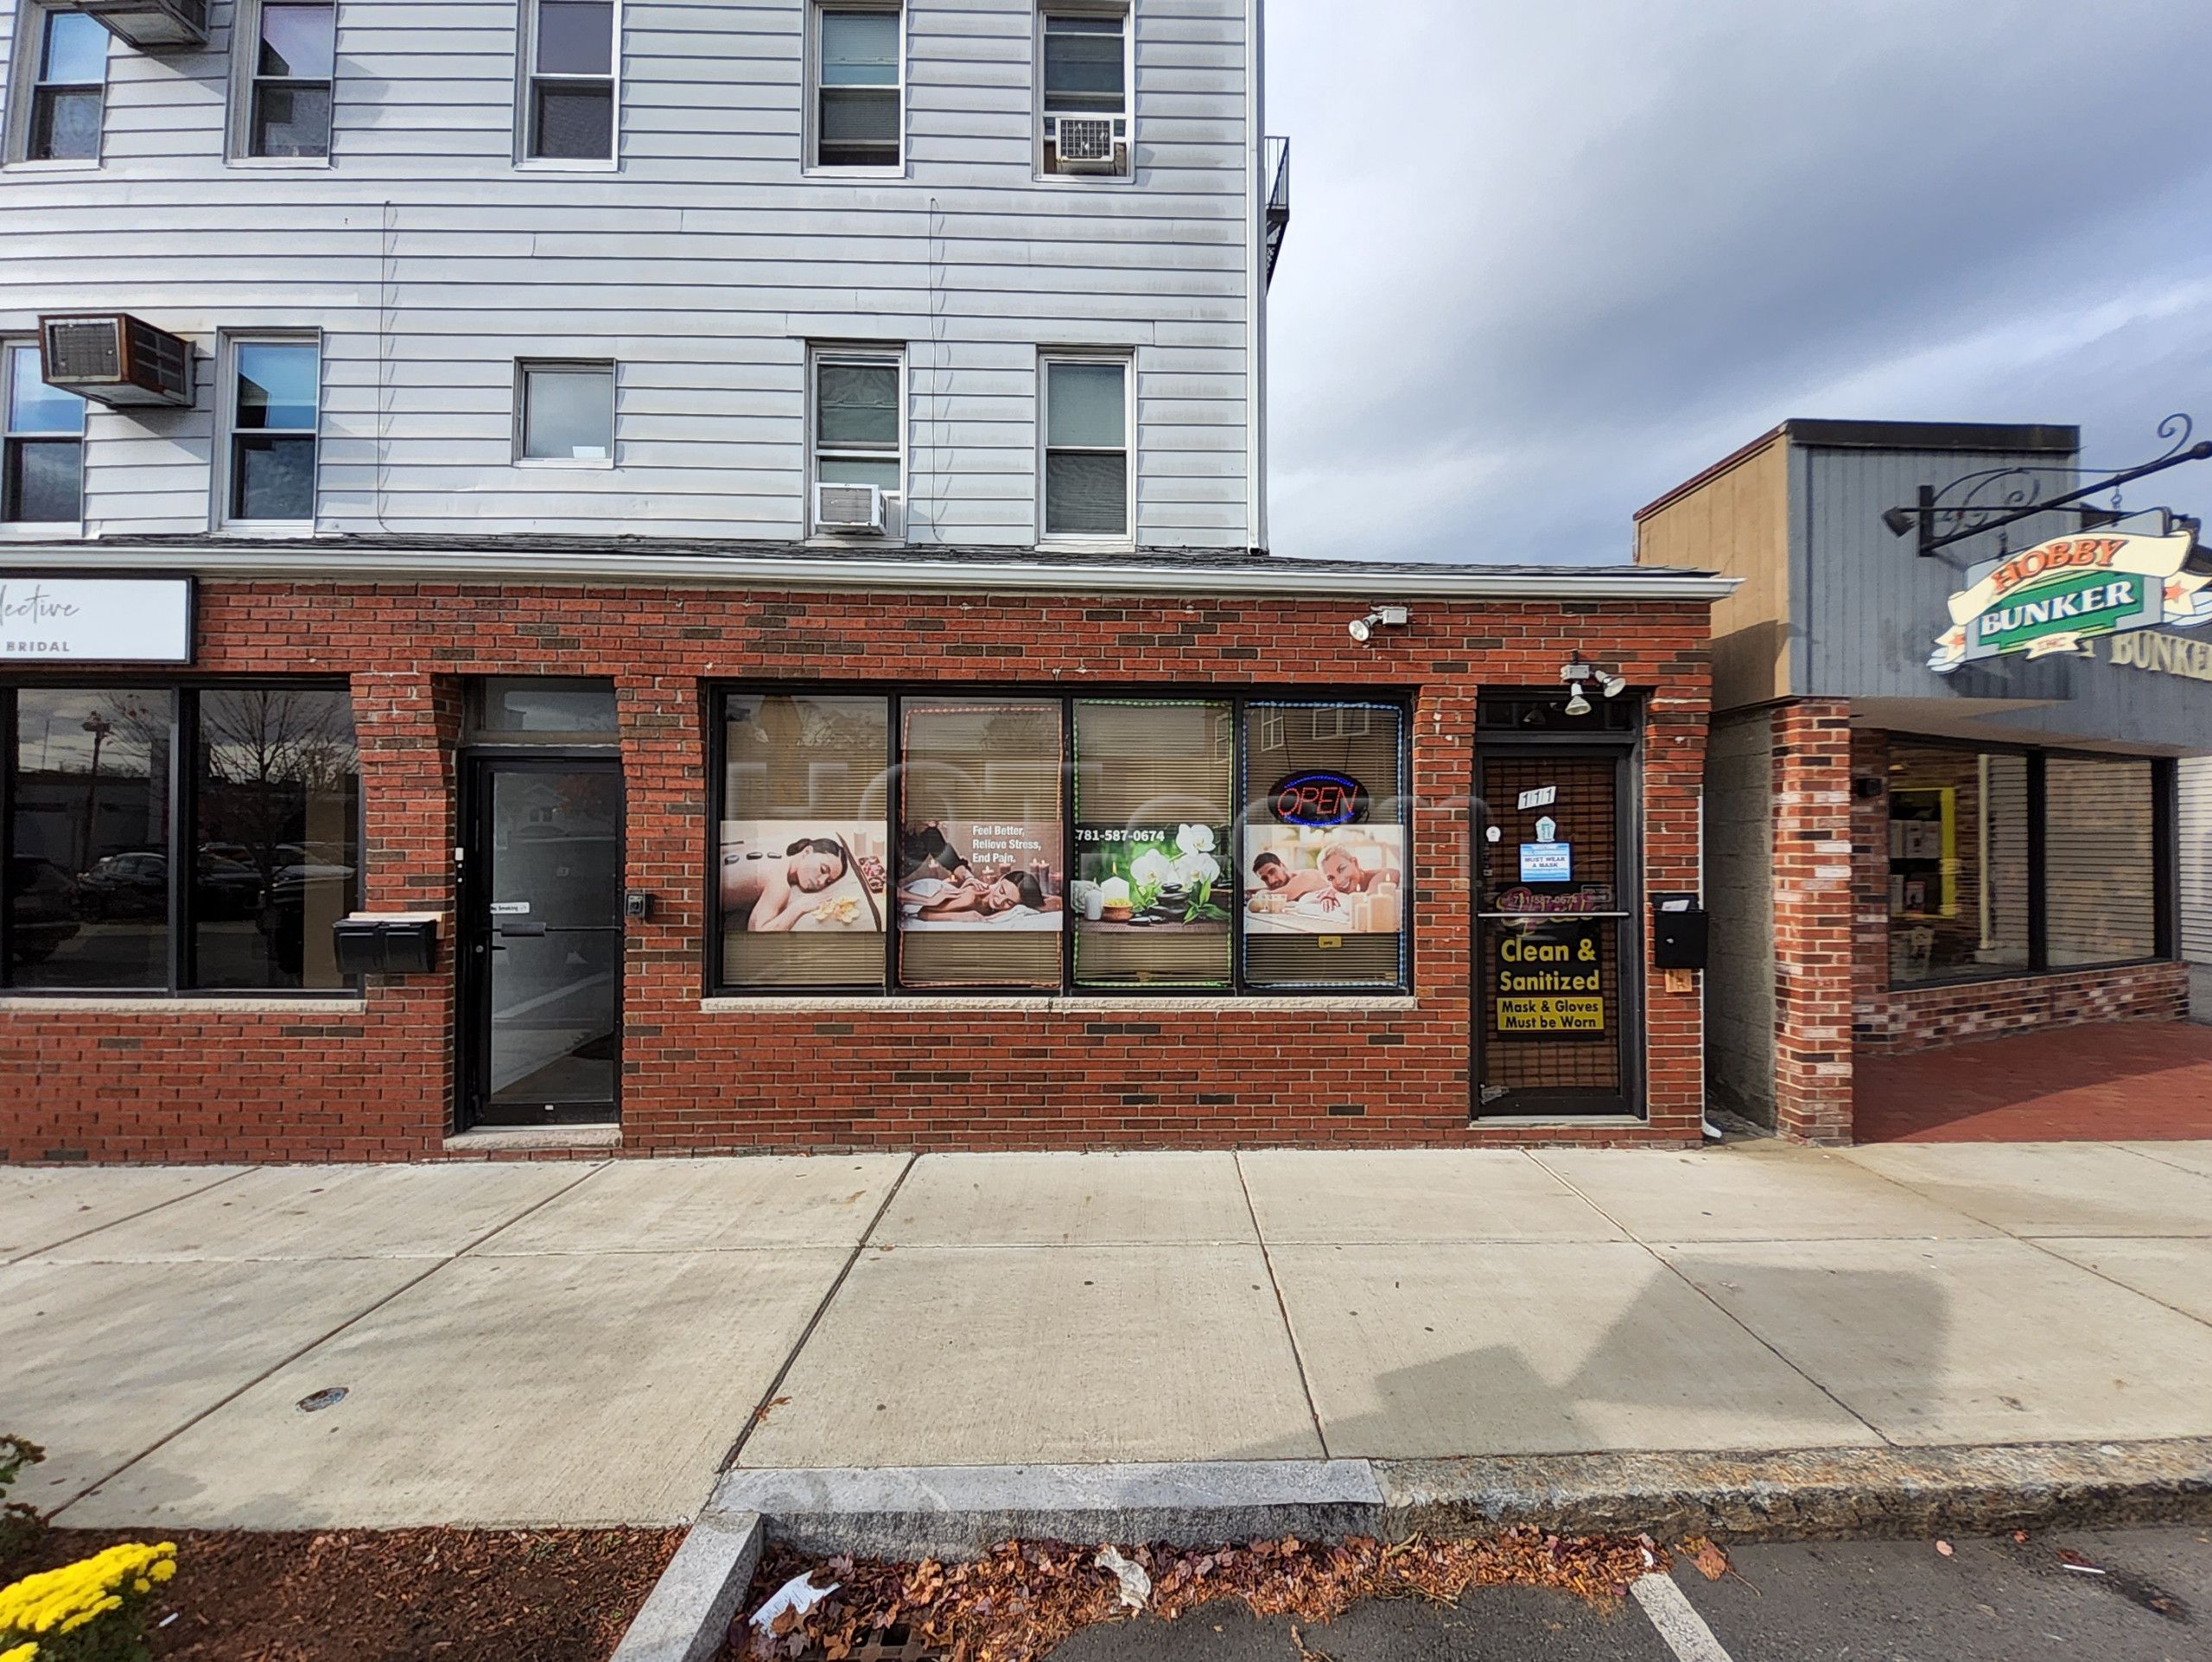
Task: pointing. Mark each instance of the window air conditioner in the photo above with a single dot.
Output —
(114, 358)
(150, 24)
(855, 508)
(1085, 143)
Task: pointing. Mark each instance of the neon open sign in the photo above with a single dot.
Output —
(1319, 800)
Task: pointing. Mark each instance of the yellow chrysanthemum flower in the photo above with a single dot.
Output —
(20, 1653)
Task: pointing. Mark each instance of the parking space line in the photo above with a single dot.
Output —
(1676, 1619)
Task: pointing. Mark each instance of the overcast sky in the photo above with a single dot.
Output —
(1547, 260)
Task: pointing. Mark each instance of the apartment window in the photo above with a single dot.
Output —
(287, 94)
(274, 399)
(41, 476)
(858, 119)
(567, 412)
(1087, 448)
(858, 431)
(1082, 78)
(69, 88)
(268, 828)
(570, 114)
(963, 842)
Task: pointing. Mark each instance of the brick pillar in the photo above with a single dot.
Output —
(1813, 920)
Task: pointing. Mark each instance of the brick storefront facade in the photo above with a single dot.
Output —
(371, 1077)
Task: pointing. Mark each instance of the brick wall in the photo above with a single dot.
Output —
(1813, 915)
(157, 1079)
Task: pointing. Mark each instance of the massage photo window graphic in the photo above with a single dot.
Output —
(1006, 843)
(1323, 865)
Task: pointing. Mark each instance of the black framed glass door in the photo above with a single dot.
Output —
(542, 937)
(1559, 955)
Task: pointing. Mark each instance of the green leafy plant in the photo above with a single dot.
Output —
(19, 1523)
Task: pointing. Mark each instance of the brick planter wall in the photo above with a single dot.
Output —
(370, 1079)
(1890, 1023)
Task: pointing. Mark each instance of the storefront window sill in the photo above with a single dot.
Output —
(158, 1004)
(1559, 1122)
(1133, 1008)
(510, 1139)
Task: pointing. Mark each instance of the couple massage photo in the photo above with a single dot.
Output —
(1345, 884)
(939, 886)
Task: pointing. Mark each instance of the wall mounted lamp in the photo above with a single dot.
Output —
(1382, 617)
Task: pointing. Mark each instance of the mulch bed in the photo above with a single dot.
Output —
(398, 1595)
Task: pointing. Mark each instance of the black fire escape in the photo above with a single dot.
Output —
(1278, 167)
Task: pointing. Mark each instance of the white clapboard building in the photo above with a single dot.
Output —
(984, 274)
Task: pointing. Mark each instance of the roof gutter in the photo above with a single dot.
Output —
(632, 567)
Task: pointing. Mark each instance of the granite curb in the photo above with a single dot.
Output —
(960, 1511)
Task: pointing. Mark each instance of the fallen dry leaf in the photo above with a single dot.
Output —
(761, 1414)
(1712, 1563)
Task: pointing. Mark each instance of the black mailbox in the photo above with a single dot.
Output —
(406, 944)
(1678, 932)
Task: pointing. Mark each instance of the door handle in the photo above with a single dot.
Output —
(521, 928)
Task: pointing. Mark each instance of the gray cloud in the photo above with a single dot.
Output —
(1547, 262)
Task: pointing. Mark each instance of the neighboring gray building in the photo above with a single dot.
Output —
(650, 268)
(1943, 791)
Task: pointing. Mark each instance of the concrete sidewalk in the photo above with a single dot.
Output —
(540, 1344)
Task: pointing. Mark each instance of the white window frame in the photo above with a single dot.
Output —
(810, 136)
(245, 63)
(227, 428)
(1127, 358)
(29, 50)
(1127, 11)
(10, 346)
(523, 369)
(526, 79)
(894, 507)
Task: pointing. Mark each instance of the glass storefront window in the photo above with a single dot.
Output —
(1004, 842)
(88, 865)
(2099, 861)
(804, 840)
(1964, 896)
(1154, 880)
(1322, 861)
(268, 821)
(1958, 867)
(276, 856)
(981, 889)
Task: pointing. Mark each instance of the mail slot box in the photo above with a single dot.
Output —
(1678, 932)
(387, 943)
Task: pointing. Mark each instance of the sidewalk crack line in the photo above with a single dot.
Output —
(1282, 1309)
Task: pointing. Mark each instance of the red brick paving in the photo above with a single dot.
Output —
(2126, 1081)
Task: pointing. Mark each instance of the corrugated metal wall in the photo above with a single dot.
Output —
(1739, 895)
(2197, 860)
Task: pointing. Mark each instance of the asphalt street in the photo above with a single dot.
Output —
(1995, 1601)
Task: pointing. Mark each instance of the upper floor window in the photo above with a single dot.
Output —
(570, 113)
(1083, 79)
(1087, 448)
(857, 438)
(69, 88)
(43, 482)
(567, 412)
(289, 90)
(859, 122)
(273, 405)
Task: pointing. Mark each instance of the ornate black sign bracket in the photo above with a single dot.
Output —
(1991, 500)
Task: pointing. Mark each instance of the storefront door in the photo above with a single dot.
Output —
(1558, 955)
(542, 936)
